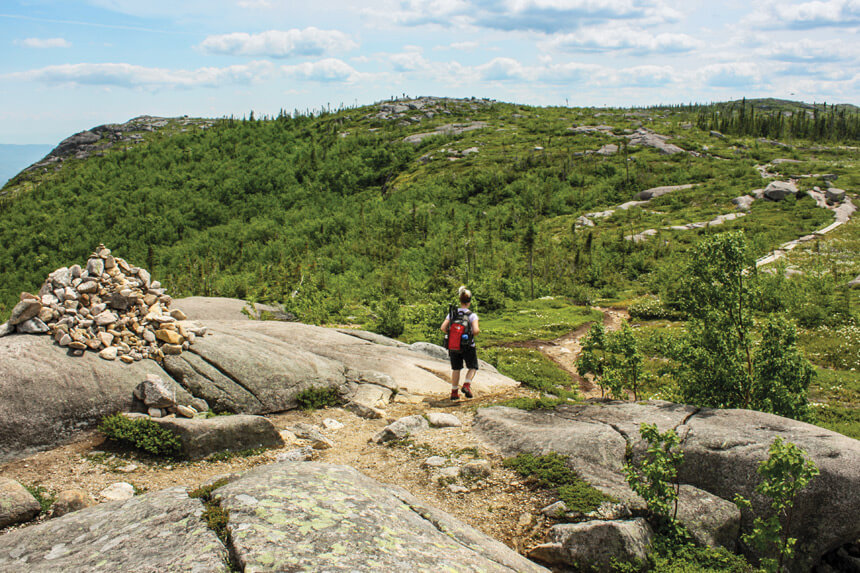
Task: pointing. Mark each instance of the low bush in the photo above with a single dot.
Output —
(140, 433)
(551, 471)
(651, 308)
(314, 398)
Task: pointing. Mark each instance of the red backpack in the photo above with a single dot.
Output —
(459, 330)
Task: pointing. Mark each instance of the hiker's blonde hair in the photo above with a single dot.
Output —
(465, 295)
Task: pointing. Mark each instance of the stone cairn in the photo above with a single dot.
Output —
(109, 307)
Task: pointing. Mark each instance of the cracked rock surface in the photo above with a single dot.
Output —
(161, 531)
(297, 516)
(722, 450)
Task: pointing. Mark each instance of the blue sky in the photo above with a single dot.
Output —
(73, 64)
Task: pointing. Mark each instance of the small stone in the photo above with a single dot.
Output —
(119, 491)
(178, 314)
(288, 437)
(171, 349)
(33, 326)
(46, 314)
(477, 469)
(309, 432)
(154, 392)
(168, 336)
(109, 353)
(149, 336)
(434, 462)
(127, 469)
(71, 500)
(443, 420)
(185, 411)
(557, 509)
(95, 267)
(24, 310)
(525, 520)
(331, 424)
(105, 338)
(65, 340)
(199, 404)
(102, 251)
(298, 455)
(77, 345)
(155, 412)
(105, 318)
(456, 488)
(6, 328)
(88, 287)
(364, 411)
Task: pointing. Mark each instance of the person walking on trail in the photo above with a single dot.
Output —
(462, 324)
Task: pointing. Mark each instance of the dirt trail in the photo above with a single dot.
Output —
(566, 349)
(503, 506)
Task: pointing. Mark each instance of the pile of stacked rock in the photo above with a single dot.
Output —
(109, 307)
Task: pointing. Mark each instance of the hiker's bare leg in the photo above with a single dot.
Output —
(470, 375)
(455, 379)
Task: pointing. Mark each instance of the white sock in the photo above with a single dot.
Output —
(468, 381)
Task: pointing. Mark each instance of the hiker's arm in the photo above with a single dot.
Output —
(475, 326)
(444, 327)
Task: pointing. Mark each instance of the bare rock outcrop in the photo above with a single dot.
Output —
(722, 450)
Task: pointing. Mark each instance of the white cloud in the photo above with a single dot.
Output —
(279, 43)
(547, 16)
(501, 69)
(731, 74)
(808, 51)
(622, 38)
(44, 43)
(327, 70)
(132, 76)
(465, 46)
(808, 15)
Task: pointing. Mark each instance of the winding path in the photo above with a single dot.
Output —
(566, 349)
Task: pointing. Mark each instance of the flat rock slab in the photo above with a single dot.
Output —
(161, 531)
(216, 308)
(296, 516)
(722, 450)
(200, 437)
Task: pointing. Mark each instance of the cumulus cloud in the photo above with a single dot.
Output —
(808, 15)
(501, 69)
(731, 74)
(327, 70)
(622, 38)
(279, 43)
(44, 43)
(132, 76)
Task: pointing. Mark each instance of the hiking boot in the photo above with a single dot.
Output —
(455, 395)
(467, 390)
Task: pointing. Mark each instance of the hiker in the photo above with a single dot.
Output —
(465, 321)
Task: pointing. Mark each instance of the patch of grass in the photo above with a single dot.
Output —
(43, 495)
(543, 319)
(205, 492)
(140, 433)
(314, 398)
(552, 472)
(528, 366)
(842, 419)
(229, 455)
(833, 346)
(542, 403)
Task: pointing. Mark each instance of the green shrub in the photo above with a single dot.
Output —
(551, 471)
(391, 323)
(140, 433)
(314, 398)
(43, 496)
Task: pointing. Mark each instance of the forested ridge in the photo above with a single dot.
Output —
(332, 211)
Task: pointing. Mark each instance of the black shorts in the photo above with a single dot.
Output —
(468, 354)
